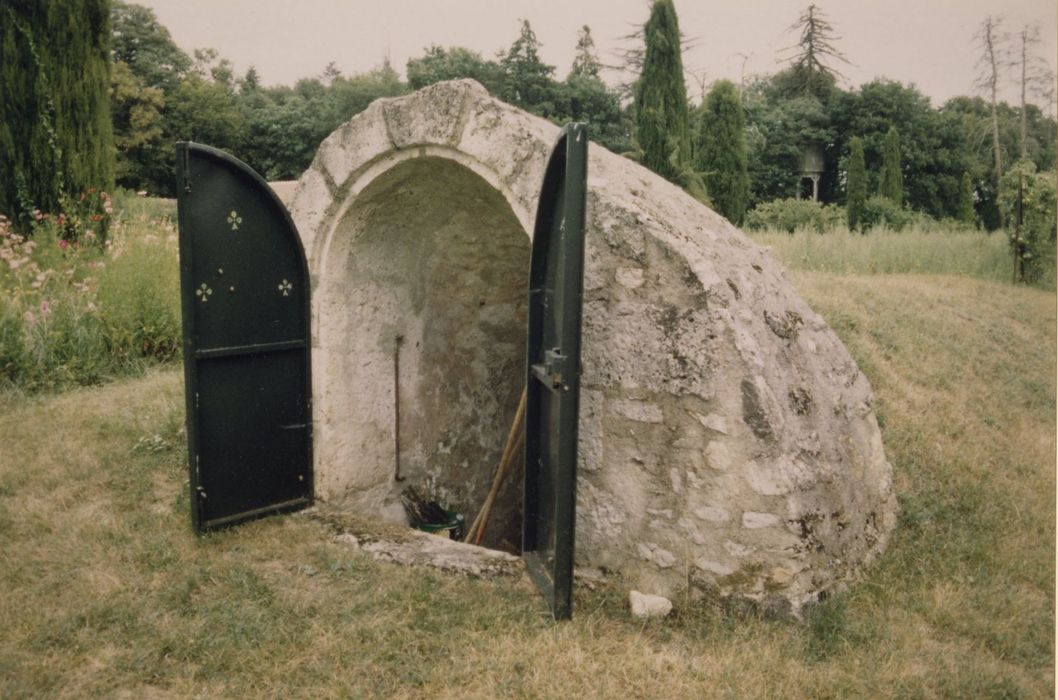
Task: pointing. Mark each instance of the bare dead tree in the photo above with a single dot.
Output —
(701, 81)
(1034, 76)
(993, 46)
(742, 72)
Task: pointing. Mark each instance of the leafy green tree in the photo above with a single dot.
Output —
(349, 95)
(857, 184)
(721, 152)
(586, 59)
(145, 46)
(439, 64)
(284, 126)
(205, 110)
(662, 128)
(932, 145)
(527, 80)
(968, 120)
(55, 132)
(143, 160)
(892, 186)
(966, 201)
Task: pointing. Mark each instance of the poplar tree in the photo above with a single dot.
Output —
(856, 200)
(661, 96)
(966, 201)
(892, 187)
(55, 130)
(721, 152)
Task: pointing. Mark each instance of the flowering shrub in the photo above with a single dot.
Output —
(794, 215)
(85, 218)
(85, 298)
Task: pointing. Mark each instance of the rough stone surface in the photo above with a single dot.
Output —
(645, 605)
(726, 435)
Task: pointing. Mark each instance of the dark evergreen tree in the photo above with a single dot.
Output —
(966, 201)
(811, 71)
(661, 96)
(892, 185)
(585, 60)
(250, 81)
(526, 79)
(55, 132)
(721, 152)
(856, 198)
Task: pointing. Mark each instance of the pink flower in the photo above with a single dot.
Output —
(45, 307)
(63, 244)
(37, 216)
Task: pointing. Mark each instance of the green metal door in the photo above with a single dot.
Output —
(556, 281)
(245, 297)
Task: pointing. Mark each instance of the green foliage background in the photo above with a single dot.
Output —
(55, 131)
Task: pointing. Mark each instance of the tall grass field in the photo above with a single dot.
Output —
(107, 593)
(916, 250)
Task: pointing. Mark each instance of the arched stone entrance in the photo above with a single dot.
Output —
(429, 257)
(727, 439)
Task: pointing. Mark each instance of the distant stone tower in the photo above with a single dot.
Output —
(811, 167)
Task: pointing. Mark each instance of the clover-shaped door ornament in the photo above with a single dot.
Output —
(234, 219)
(203, 292)
(285, 287)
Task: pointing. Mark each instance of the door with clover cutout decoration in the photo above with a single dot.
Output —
(245, 298)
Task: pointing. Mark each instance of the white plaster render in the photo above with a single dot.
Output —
(709, 388)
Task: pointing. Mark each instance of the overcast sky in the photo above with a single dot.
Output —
(925, 42)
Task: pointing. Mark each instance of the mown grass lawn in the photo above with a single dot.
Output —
(107, 592)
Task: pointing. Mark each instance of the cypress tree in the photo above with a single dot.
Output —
(661, 96)
(892, 176)
(967, 214)
(721, 152)
(55, 129)
(857, 184)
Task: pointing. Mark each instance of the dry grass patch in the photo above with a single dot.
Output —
(107, 592)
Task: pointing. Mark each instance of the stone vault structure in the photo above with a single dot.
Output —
(727, 439)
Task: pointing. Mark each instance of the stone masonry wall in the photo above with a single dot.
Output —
(728, 440)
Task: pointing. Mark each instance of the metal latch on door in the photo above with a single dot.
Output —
(552, 371)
